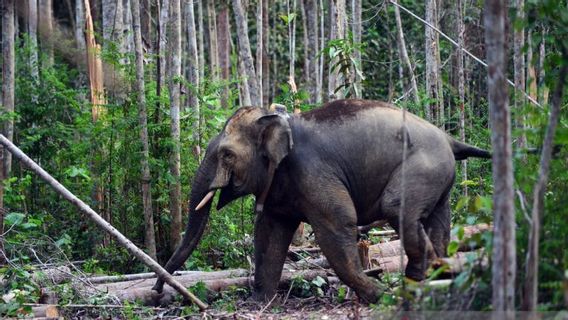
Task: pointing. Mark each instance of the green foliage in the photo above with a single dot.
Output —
(341, 52)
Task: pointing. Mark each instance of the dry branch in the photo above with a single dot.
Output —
(83, 207)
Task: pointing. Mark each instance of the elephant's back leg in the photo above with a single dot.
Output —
(437, 226)
(424, 187)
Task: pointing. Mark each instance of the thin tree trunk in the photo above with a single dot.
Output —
(292, 45)
(127, 36)
(357, 32)
(337, 32)
(531, 283)
(431, 48)
(319, 88)
(8, 83)
(312, 71)
(265, 54)
(519, 72)
(80, 25)
(245, 52)
(305, 41)
(213, 49)
(461, 84)
(174, 72)
(146, 21)
(504, 248)
(406, 60)
(162, 63)
(224, 47)
(543, 89)
(45, 20)
(259, 46)
(149, 236)
(200, 42)
(193, 74)
(32, 33)
(531, 70)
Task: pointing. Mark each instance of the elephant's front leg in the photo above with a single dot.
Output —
(272, 237)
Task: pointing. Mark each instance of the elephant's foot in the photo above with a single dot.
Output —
(158, 286)
(263, 295)
(368, 293)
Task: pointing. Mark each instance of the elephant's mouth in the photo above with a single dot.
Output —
(230, 191)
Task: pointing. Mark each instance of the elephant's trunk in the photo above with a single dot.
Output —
(197, 218)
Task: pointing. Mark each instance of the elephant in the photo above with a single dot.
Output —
(335, 167)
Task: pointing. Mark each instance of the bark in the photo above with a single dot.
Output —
(357, 31)
(194, 79)
(213, 48)
(200, 41)
(32, 33)
(311, 44)
(543, 89)
(519, 72)
(146, 21)
(531, 283)
(127, 45)
(245, 53)
(149, 235)
(531, 70)
(406, 60)
(148, 297)
(319, 89)
(112, 20)
(432, 52)
(259, 48)
(504, 248)
(337, 32)
(292, 45)
(45, 20)
(161, 49)
(107, 227)
(265, 54)
(461, 84)
(224, 47)
(8, 83)
(174, 72)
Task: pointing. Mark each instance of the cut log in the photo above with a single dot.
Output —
(152, 275)
(186, 277)
(454, 265)
(149, 297)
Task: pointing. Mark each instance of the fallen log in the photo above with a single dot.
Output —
(147, 296)
(454, 265)
(393, 248)
(186, 277)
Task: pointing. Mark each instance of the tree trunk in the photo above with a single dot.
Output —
(531, 283)
(265, 54)
(245, 52)
(432, 52)
(127, 43)
(32, 33)
(224, 47)
(45, 20)
(406, 60)
(201, 45)
(213, 49)
(292, 45)
(146, 21)
(337, 32)
(194, 79)
(319, 88)
(543, 89)
(461, 84)
(357, 31)
(519, 72)
(149, 236)
(8, 82)
(161, 44)
(531, 70)
(174, 72)
(259, 48)
(504, 248)
(312, 70)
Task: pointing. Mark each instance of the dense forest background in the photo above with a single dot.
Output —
(117, 99)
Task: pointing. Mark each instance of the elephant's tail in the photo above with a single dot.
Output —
(463, 151)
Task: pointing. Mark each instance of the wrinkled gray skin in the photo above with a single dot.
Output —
(335, 168)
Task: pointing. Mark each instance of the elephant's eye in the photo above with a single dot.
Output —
(228, 156)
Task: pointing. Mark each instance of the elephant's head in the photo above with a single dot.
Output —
(241, 160)
(247, 153)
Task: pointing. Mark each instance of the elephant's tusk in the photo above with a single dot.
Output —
(205, 200)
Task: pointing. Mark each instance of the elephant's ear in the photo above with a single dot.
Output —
(275, 137)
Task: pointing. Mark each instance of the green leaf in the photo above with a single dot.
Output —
(453, 248)
(14, 218)
(318, 281)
